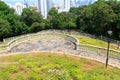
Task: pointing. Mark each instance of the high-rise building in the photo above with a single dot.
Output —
(18, 7)
(73, 3)
(34, 6)
(49, 5)
(67, 5)
(42, 7)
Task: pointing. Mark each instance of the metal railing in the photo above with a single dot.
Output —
(22, 39)
(99, 50)
(89, 48)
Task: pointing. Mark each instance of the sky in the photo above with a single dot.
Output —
(29, 1)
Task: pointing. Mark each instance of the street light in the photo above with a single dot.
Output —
(118, 42)
(109, 34)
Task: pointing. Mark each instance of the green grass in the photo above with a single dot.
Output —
(3, 48)
(3, 43)
(45, 66)
(94, 42)
(82, 40)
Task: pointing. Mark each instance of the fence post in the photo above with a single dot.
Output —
(77, 46)
(118, 44)
(98, 51)
(15, 42)
(3, 40)
(27, 37)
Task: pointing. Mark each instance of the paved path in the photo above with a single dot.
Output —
(44, 44)
(58, 44)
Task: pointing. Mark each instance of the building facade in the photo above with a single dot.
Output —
(67, 5)
(18, 7)
(49, 5)
(45, 5)
(42, 7)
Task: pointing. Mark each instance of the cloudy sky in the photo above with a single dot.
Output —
(29, 1)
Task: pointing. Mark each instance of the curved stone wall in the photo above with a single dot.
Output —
(54, 43)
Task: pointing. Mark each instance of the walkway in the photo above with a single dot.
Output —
(58, 44)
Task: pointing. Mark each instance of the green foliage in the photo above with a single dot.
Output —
(67, 20)
(96, 19)
(54, 18)
(25, 17)
(5, 9)
(4, 29)
(37, 26)
(20, 76)
(94, 42)
(13, 68)
(4, 75)
(54, 67)
(104, 15)
(34, 76)
(103, 75)
(61, 20)
(30, 16)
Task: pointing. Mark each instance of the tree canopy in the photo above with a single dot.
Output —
(97, 19)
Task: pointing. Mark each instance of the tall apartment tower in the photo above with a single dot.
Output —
(73, 3)
(49, 5)
(42, 7)
(67, 5)
(18, 7)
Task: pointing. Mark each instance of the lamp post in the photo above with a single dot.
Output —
(118, 42)
(109, 33)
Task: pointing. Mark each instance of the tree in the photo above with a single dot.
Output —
(5, 30)
(26, 16)
(5, 10)
(37, 26)
(115, 4)
(52, 12)
(54, 18)
(19, 28)
(36, 17)
(103, 17)
(67, 21)
(84, 21)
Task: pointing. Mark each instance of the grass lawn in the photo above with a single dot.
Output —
(3, 48)
(94, 42)
(82, 40)
(3, 44)
(46, 66)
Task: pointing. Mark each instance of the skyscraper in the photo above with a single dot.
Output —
(49, 5)
(18, 7)
(73, 3)
(67, 5)
(42, 7)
